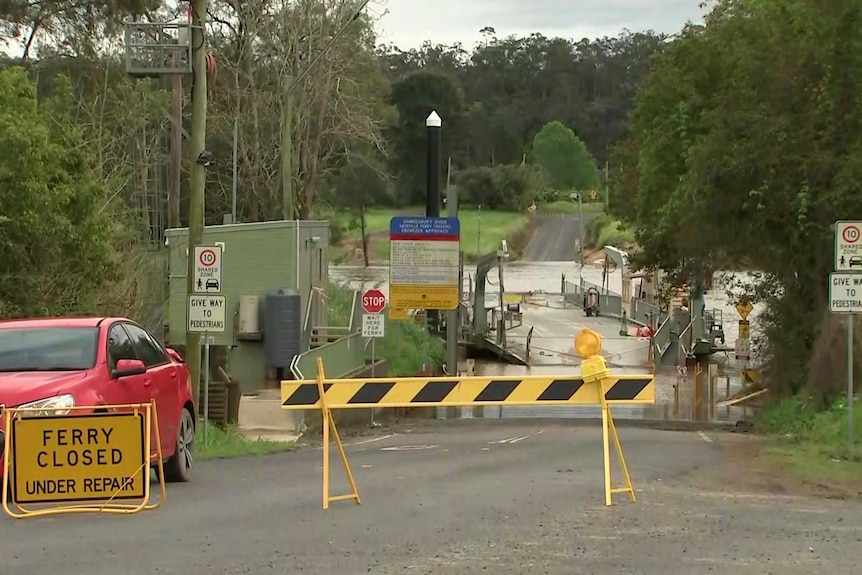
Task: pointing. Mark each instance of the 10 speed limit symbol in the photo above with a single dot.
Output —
(207, 258)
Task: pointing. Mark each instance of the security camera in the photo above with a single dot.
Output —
(206, 159)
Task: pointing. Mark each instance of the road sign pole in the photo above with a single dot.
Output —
(843, 297)
(433, 128)
(850, 439)
(373, 362)
(452, 315)
(206, 386)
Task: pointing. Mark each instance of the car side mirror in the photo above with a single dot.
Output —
(127, 367)
(175, 355)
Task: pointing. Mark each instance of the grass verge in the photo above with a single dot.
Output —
(811, 442)
(571, 207)
(604, 230)
(229, 442)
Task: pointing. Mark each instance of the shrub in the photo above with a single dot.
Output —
(595, 226)
(614, 234)
(501, 187)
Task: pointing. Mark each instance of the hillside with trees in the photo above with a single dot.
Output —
(100, 139)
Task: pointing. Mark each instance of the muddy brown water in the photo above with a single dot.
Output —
(546, 276)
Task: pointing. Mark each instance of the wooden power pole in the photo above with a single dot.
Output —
(197, 147)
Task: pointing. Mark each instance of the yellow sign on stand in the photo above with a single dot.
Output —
(85, 462)
(78, 458)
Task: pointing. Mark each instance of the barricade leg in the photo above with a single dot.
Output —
(328, 424)
(609, 432)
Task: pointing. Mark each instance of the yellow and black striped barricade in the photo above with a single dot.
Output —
(79, 459)
(594, 386)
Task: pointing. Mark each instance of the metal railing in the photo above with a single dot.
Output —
(662, 337)
(686, 340)
(646, 313)
(574, 294)
(611, 304)
(602, 290)
(341, 357)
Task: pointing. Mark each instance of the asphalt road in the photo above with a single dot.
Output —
(554, 238)
(504, 499)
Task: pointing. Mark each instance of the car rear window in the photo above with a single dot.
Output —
(48, 348)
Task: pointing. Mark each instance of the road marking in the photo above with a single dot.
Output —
(365, 441)
(408, 447)
(704, 437)
(372, 440)
(517, 438)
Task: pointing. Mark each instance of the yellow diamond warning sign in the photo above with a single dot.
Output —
(78, 458)
(744, 308)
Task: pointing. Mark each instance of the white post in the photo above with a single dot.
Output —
(206, 386)
(850, 439)
(373, 362)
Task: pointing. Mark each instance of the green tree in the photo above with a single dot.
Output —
(55, 236)
(494, 187)
(415, 97)
(76, 25)
(748, 134)
(564, 158)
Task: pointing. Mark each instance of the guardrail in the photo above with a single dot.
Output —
(344, 356)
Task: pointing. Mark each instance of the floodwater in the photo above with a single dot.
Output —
(547, 277)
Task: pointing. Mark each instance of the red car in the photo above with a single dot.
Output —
(99, 361)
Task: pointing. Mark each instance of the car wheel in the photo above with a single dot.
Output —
(178, 469)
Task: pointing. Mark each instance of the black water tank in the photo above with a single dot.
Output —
(282, 327)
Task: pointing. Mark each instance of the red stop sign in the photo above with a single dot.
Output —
(373, 301)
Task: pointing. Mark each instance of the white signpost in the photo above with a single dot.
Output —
(845, 295)
(845, 292)
(206, 313)
(207, 274)
(373, 326)
(848, 246)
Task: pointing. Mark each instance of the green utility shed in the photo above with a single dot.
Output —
(257, 259)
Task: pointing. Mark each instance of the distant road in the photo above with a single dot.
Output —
(555, 237)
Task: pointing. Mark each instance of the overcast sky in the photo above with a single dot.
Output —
(408, 23)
